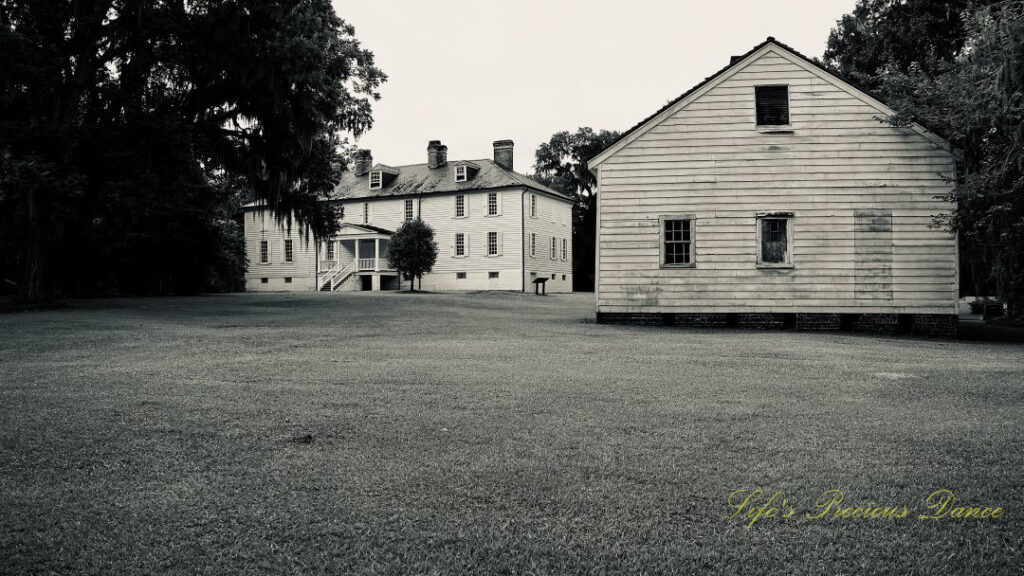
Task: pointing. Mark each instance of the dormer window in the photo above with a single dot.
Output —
(376, 179)
(464, 171)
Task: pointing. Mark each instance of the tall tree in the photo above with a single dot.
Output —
(882, 36)
(972, 95)
(128, 127)
(412, 250)
(561, 163)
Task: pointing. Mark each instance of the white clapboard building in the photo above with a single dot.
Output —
(772, 194)
(496, 229)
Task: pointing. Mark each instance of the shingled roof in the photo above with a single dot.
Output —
(418, 179)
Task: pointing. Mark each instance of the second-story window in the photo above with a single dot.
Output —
(366, 212)
(565, 249)
(330, 250)
(533, 245)
(533, 205)
(376, 179)
(492, 203)
(554, 248)
(461, 174)
(460, 206)
(408, 210)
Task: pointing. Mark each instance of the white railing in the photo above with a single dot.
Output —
(374, 264)
(334, 276)
(341, 276)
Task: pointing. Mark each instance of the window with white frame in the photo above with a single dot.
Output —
(677, 241)
(288, 251)
(492, 243)
(533, 205)
(461, 174)
(330, 250)
(376, 179)
(773, 238)
(460, 245)
(408, 210)
(492, 203)
(264, 251)
(565, 249)
(366, 212)
(460, 206)
(554, 248)
(533, 245)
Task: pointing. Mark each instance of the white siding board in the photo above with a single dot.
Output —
(709, 159)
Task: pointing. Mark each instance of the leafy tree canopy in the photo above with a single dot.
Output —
(413, 251)
(967, 83)
(561, 163)
(131, 130)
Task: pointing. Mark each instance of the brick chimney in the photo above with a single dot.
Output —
(364, 161)
(503, 153)
(437, 154)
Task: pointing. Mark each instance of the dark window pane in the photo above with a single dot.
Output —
(772, 105)
(678, 245)
(773, 241)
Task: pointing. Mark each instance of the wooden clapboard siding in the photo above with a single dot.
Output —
(553, 220)
(439, 212)
(863, 196)
(262, 225)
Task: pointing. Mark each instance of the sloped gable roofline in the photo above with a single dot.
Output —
(769, 45)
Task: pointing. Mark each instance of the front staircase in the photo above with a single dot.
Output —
(330, 280)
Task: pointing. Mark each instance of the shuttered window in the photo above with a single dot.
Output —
(772, 105)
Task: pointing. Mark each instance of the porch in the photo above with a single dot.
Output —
(357, 253)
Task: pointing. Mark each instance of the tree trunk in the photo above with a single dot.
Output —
(33, 288)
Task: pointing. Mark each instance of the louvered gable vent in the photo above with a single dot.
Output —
(772, 105)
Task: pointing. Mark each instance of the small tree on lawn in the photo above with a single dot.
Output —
(413, 251)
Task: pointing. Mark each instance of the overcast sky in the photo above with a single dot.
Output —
(468, 72)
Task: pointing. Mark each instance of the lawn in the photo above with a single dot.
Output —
(492, 434)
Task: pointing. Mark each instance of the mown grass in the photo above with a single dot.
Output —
(487, 433)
